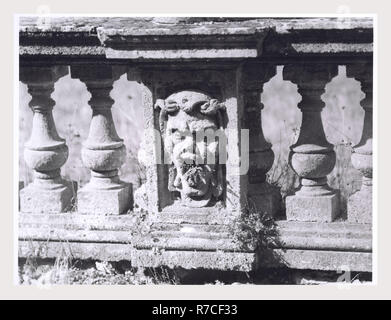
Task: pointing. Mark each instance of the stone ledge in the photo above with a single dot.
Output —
(300, 245)
(75, 250)
(182, 25)
(215, 260)
(218, 260)
(318, 260)
(337, 236)
(195, 38)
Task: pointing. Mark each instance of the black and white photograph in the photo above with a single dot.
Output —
(207, 150)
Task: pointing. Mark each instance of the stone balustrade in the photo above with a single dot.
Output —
(104, 151)
(45, 152)
(312, 157)
(213, 80)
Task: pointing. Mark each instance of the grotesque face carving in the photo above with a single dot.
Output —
(186, 119)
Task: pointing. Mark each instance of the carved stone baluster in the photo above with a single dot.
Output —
(360, 203)
(312, 157)
(103, 152)
(45, 151)
(262, 195)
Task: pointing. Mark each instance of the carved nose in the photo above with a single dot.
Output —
(192, 183)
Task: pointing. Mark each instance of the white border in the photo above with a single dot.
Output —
(16, 149)
(375, 173)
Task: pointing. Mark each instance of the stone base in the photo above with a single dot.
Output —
(217, 260)
(318, 260)
(323, 208)
(95, 201)
(360, 206)
(338, 245)
(35, 200)
(264, 198)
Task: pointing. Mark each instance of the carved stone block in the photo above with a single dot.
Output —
(115, 201)
(38, 200)
(323, 208)
(189, 123)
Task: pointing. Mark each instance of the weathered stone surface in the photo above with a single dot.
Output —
(217, 260)
(303, 245)
(38, 200)
(318, 260)
(182, 54)
(75, 235)
(298, 259)
(77, 250)
(65, 51)
(323, 208)
(332, 47)
(338, 230)
(185, 236)
(360, 206)
(312, 165)
(172, 241)
(238, 143)
(72, 221)
(338, 236)
(315, 242)
(140, 198)
(188, 237)
(111, 201)
(208, 215)
(87, 36)
(181, 25)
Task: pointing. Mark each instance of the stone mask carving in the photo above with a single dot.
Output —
(185, 118)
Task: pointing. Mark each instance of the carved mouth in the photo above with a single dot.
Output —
(196, 181)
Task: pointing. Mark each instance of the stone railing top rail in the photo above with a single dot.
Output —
(178, 25)
(163, 38)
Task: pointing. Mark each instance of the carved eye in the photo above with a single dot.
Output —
(174, 130)
(184, 100)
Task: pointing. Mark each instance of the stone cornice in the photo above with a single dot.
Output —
(154, 39)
